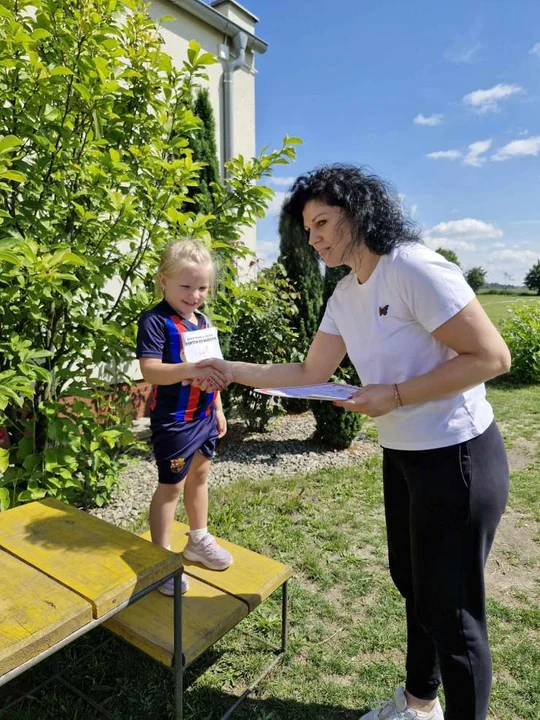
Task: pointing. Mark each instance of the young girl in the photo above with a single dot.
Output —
(185, 421)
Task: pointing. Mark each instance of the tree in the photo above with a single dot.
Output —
(532, 279)
(476, 277)
(450, 255)
(304, 274)
(335, 426)
(96, 126)
(508, 280)
(205, 151)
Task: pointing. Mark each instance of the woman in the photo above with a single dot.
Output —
(423, 348)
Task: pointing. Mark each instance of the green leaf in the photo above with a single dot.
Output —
(4, 499)
(13, 175)
(8, 143)
(60, 70)
(4, 460)
(40, 34)
(207, 59)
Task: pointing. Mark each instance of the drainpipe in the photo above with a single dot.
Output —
(230, 66)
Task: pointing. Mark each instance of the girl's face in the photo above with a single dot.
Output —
(328, 231)
(186, 291)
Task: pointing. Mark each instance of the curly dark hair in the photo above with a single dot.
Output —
(370, 204)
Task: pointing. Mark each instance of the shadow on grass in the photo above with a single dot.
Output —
(131, 686)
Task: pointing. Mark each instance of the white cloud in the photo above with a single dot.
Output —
(444, 154)
(484, 101)
(535, 50)
(465, 54)
(281, 181)
(414, 210)
(275, 206)
(466, 229)
(475, 150)
(517, 256)
(268, 251)
(499, 245)
(450, 244)
(518, 148)
(430, 120)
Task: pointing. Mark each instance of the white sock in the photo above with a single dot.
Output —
(197, 535)
(168, 548)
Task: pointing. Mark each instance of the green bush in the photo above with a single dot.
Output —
(262, 333)
(96, 166)
(302, 267)
(335, 426)
(521, 332)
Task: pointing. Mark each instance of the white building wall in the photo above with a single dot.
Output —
(177, 35)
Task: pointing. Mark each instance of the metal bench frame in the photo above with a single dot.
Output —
(178, 667)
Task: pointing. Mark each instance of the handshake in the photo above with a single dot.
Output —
(211, 375)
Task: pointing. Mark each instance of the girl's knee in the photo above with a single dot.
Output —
(169, 490)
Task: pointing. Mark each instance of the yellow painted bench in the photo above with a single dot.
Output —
(64, 572)
(214, 604)
(36, 613)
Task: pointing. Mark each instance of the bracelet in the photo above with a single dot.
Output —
(397, 396)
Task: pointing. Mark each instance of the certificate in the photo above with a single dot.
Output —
(324, 391)
(201, 345)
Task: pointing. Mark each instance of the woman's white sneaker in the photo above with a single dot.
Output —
(397, 709)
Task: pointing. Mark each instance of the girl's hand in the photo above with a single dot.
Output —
(372, 400)
(221, 422)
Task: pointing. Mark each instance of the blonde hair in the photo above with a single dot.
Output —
(181, 253)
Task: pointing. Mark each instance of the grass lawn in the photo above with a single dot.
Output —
(347, 635)
(497, 306)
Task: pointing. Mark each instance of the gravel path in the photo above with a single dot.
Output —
(286, 449)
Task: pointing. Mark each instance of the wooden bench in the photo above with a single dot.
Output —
(214, 604)
(67, 572)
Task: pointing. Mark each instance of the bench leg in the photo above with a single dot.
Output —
(275, 661)
(284, 615)
(178, 650)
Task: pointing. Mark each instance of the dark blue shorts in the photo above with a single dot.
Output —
(175, 445)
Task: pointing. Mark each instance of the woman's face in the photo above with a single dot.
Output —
(329, 232)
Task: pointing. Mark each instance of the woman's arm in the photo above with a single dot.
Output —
(481, 355)
(324, 355)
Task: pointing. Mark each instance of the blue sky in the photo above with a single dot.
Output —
(442, 99)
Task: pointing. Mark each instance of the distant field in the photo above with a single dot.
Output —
(497, 306)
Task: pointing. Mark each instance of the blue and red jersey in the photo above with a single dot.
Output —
(160, 336)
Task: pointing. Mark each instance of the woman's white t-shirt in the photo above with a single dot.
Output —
(386, 324)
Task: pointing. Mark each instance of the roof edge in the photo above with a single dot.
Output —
(215, 19)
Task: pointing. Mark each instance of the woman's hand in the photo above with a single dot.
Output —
(372, 400)
(221, 422)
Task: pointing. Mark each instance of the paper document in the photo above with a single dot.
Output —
(201, 345)
(324, 391)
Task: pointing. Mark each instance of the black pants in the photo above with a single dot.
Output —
(442, 509)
